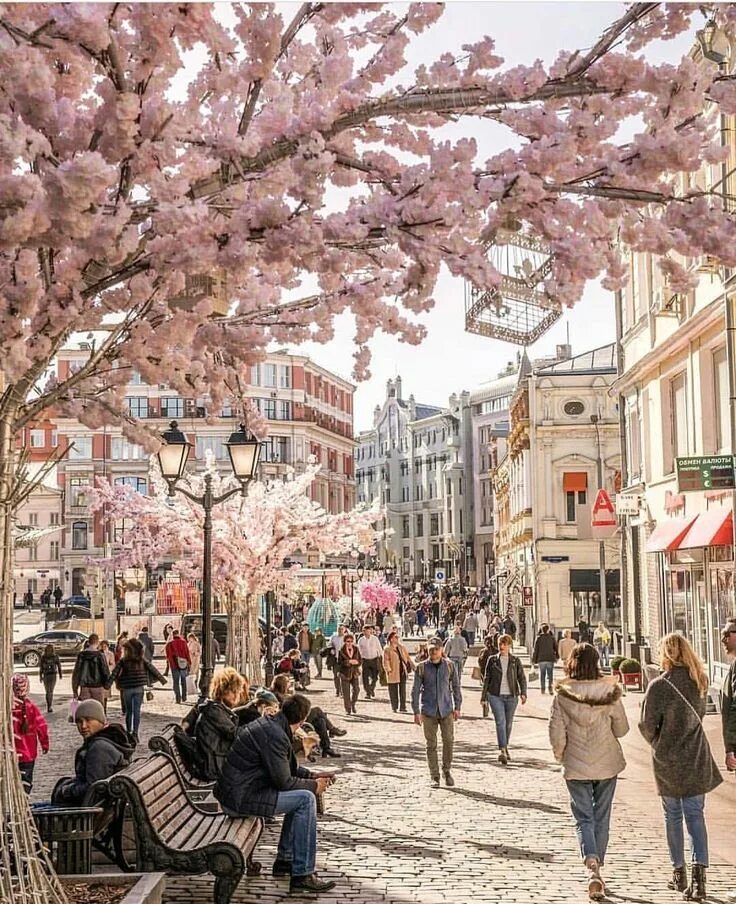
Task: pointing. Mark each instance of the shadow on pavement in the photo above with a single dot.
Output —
(506, 801)
(509, 852)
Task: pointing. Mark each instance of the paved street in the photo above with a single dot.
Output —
(503, 834)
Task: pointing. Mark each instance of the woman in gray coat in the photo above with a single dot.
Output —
(684, 768)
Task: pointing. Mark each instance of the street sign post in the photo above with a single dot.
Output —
(527, 596)
(628, 504)
(556, 559)
(439, 577)
(603, 516)
(705, 472)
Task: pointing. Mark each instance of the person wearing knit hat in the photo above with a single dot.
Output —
(29, 728)
(107, 749)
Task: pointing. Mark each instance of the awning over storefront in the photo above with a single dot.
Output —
(668, 533)
(711, 528)
(574, 481)
(589, 579)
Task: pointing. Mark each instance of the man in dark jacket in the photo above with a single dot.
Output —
(147, 643)
(728, 703)
(261, 778)
(545, 656)
(91, 672)
(106, 750)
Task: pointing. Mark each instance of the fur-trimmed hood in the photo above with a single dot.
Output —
(598, 692)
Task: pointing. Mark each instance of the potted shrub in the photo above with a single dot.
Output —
(630, 670)
(616, 666)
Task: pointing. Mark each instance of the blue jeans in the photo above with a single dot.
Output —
(298, 841)
(591, 803)
(132, 701)
(693, 810)
(604, 652)
(458, 663)
(546, 670)
(471, 638)
(503, 708)
(179, 677)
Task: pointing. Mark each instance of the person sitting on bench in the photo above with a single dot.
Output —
(107, 749)
(261, 778)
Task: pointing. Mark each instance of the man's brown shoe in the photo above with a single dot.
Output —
(311, 883)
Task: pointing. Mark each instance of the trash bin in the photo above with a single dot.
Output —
(67, 834)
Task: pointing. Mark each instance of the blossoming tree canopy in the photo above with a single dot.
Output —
(251, 535)
(378, 595)
(160, 163)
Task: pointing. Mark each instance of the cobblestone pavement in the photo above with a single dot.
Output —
(502, 834)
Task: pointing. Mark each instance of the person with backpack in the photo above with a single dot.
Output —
(29, 730)
(49, 669)
(684, 769)
(91, 673)
(504, 684)
(436, 700)
(545, 655)
(179, 661)
(132, 674)
(586, 722)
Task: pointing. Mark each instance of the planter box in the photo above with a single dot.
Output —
(631, 679)
(146, 888)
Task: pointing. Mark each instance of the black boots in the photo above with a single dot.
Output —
(696, 889)
(678, 882)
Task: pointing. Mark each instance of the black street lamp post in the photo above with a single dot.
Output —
(359, 572)
(245, 452)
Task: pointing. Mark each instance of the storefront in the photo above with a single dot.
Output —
(585, 587)
(697, 576)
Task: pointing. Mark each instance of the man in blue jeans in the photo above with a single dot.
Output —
(261, 778)
(545, 655)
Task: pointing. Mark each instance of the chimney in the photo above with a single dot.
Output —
(563, 352)
(397, 384)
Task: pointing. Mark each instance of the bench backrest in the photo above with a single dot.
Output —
(165, 743)
(158, 786)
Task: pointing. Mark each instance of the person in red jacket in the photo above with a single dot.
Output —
(180, 661)
(29, 727)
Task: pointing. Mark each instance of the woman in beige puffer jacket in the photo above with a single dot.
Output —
(587, 720)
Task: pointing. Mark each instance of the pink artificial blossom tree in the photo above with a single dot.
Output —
(379, 596)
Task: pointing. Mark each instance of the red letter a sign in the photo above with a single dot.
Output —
(603, 516)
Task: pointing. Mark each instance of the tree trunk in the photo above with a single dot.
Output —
(26, 875)
(244, 642)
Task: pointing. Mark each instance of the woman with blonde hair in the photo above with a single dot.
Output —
(214, 723)
(684, 769)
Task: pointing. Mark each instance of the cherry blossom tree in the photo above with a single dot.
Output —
(163, 163)
(378, 595)
(252, 536)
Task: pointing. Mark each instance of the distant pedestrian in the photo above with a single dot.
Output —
(398, 664)
(348, 665)
(728, 701)
(566, 646)
(583, 631)
(602, 642)
(110, 659)
(482, 622)
(179, 660)
(371, 653)
(147, 642)
(508, 626)
(545, 656)
(58, 595)
(456, 649)
(504, 684)
(337, 639)
(168, 633)
(122, 639)
(470, 626)
(28, 599)
(49, 669)
(91, 672)
(319, 642)
(133, 673)
(586, 722)
(304, 644)
(195, 654)
(437, 703)
(684, 768)
(29, 730)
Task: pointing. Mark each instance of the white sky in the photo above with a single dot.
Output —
(450, 359)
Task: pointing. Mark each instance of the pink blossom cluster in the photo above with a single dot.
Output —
(378, 595)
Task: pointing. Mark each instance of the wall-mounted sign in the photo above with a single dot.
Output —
(705, 472)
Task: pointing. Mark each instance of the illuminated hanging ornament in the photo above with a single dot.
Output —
(518, 310)
(324, 614)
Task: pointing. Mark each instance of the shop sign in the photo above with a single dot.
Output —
(556, 559)
(603, 516)
(527, 596)
(705, 472)
(628, 504)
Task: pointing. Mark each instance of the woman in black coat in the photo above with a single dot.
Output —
(684, 768)
(215, 721)
(49, 668)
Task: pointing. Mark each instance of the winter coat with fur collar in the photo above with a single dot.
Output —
(587, 720)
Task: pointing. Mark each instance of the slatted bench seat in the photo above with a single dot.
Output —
(175, 835)
(197, 788)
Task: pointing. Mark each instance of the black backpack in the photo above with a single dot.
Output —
(190, 753)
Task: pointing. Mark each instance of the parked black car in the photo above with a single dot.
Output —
(66, 645)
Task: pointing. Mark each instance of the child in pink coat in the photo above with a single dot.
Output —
(29, 727)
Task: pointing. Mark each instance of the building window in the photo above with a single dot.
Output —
(269, 375)
(38, 439)
(420, 525)
(633, 438)
(268, 408)
(54, 439)
(139, 484)
(405, 494)
(387, 496)
(137, 406)
(449, 521)
(678, 419)
(227, 410)
(284, 411)
(33, 519)
(434, 524)
(54, 518)
(82, 448)
(720, 397)
(122, 450)
(435, 553)
(214, 444)
(33, 553)
(255, 375)
(78, 490)
(285, 376)
(172, 407)
(54, 550)
(573, 499)
(275, 450)
(405, 526)
(79, 535)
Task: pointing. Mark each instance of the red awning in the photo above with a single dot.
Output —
(574, 481)
(711, 528)
(668, 533)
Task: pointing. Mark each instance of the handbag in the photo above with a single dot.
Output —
(149, 695)
(533, 675)
(191, 686)
(476, 674)
(382, 676)
(73, 706)
(182, 663)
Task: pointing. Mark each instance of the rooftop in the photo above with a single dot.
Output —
(598, 361)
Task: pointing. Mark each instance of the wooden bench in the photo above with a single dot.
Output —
(175, 835)
(198, 789)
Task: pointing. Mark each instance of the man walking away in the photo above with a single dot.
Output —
(456, 649)
(566, 646)
(369, 647)
(470, 626)
(179, 659)
(545, 656)
(147, 643)
(437, 701)
(261, 778)
(91, 672)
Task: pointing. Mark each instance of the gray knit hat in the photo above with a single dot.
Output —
(90, 709)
